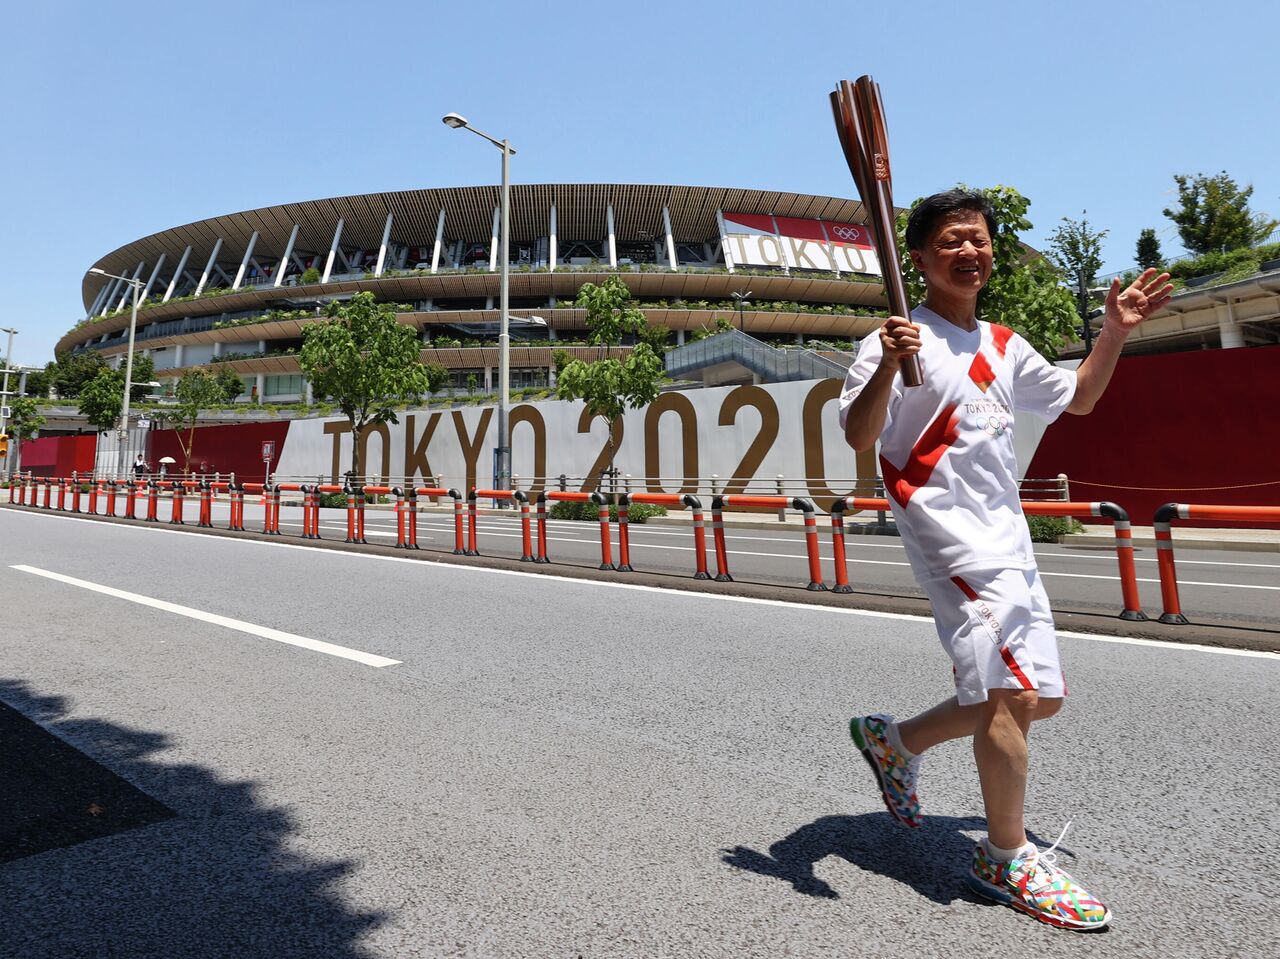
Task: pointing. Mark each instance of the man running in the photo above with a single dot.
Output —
(947, 459)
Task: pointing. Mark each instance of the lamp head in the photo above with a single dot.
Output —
(98, 271)
(454, 120)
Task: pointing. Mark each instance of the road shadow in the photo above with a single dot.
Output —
(931, 860)
(178, 861)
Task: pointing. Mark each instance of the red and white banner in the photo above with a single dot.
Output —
(755, 239)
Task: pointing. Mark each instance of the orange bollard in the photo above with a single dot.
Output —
(699, 538)
(837, 548)
(602, 511)
(62, 493)
(176, 518)
(472, 550)
(717, 537)
(542, 530)
(206, 505)
(75, 494)
(153, 501)
(458, 548)
(402, 532)
(411, 521)
(624, 534)
(811, 543)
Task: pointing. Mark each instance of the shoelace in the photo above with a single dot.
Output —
(1049, 859)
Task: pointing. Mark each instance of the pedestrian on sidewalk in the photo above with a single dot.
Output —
(947, 458)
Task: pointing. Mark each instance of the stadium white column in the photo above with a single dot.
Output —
(208, 267)
(382, 248)
(493, 239)
(146, 290)
(1228, 330)
(435, 249)
(177, 274)
(611, 237)
(671, 240)
(133, 279)
(333, 250)
(724, 242)
(113, 286)
(97, 300)
(244, 262)
(283, 266)
(553, 253)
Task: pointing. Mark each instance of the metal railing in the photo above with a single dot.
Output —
(770, 363)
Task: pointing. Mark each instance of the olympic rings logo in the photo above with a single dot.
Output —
(846, 232)
(994, 425)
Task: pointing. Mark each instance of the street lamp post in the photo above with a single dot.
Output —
(4, 390)
(502, 465)
(742, 298)
(122, 464)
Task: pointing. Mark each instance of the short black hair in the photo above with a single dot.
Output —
(932, 210)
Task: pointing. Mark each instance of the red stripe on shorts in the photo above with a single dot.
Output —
(1015, 669)
(965, 588)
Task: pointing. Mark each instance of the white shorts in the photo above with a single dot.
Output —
(997, 628)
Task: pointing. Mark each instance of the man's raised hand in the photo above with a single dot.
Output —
(1140, 299)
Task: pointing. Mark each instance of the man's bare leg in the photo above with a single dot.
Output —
(949, 720)
(1000, 748)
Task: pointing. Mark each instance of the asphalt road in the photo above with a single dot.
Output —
(566, 768)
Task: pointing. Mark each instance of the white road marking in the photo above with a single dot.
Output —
(266, 632)
(661, 590)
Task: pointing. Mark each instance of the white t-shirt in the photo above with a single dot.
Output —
(946, 451)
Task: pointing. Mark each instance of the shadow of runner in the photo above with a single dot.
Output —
(931, 860)
(208, 873)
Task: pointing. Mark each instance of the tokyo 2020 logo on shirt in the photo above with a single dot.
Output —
(994, 425)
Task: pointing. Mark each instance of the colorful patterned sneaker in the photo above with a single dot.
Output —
(895, 775)
(1035, 884)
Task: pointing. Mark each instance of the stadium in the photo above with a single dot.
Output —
(790, 269)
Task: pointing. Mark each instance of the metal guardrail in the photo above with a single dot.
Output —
(768, 362)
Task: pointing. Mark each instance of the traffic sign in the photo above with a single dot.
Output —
(268, 450)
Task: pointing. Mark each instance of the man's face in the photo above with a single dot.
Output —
(956, 258)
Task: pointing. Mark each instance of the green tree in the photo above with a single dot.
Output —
(1213, 214)
(231, 383)
(1077, 249)
(1148, 253)
(24, 423)
(1025, 292)
(437, 376)
(609, 387)
(472, 382)
(142, 374)
(364, 361)
(196, 391)
(102, 397)
(71, 372)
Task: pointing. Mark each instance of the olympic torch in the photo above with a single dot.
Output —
(859, 116)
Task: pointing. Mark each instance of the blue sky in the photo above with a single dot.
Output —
(127, 118)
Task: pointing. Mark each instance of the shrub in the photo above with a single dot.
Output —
(590, 512)
(1049, 529)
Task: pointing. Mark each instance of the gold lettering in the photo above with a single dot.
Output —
(336, 429)
(385, 434)
(680, 405)
(815, 462)
(527, 413)
(800, 252)
(416, 461)
(471, 446)
(605, 457)
(762, 400)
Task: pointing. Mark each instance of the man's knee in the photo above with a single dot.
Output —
(1049, 707)
(1018, 706)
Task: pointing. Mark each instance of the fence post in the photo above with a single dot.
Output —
(526, 538)
(75, 493)
(153, 501)
(602, 513)
(1172, 612)
(472, 510)
(717, 537)
(1064, 488)
(699, 537)
(782, 510)
(458, 547)
(206, 504)
(176, 516)
(624, 532)
(402, 525)
(62, 494)
(1124, 556)
(361, 498)
(837, 547)
(94, 486)
(811, 542)
(542, 529)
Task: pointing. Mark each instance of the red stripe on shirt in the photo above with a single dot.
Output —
(937, 438)
(969, 592)
(1000, 336)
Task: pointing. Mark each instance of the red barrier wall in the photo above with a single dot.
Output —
(59, 455)
(235, 448)
(1200, 427)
